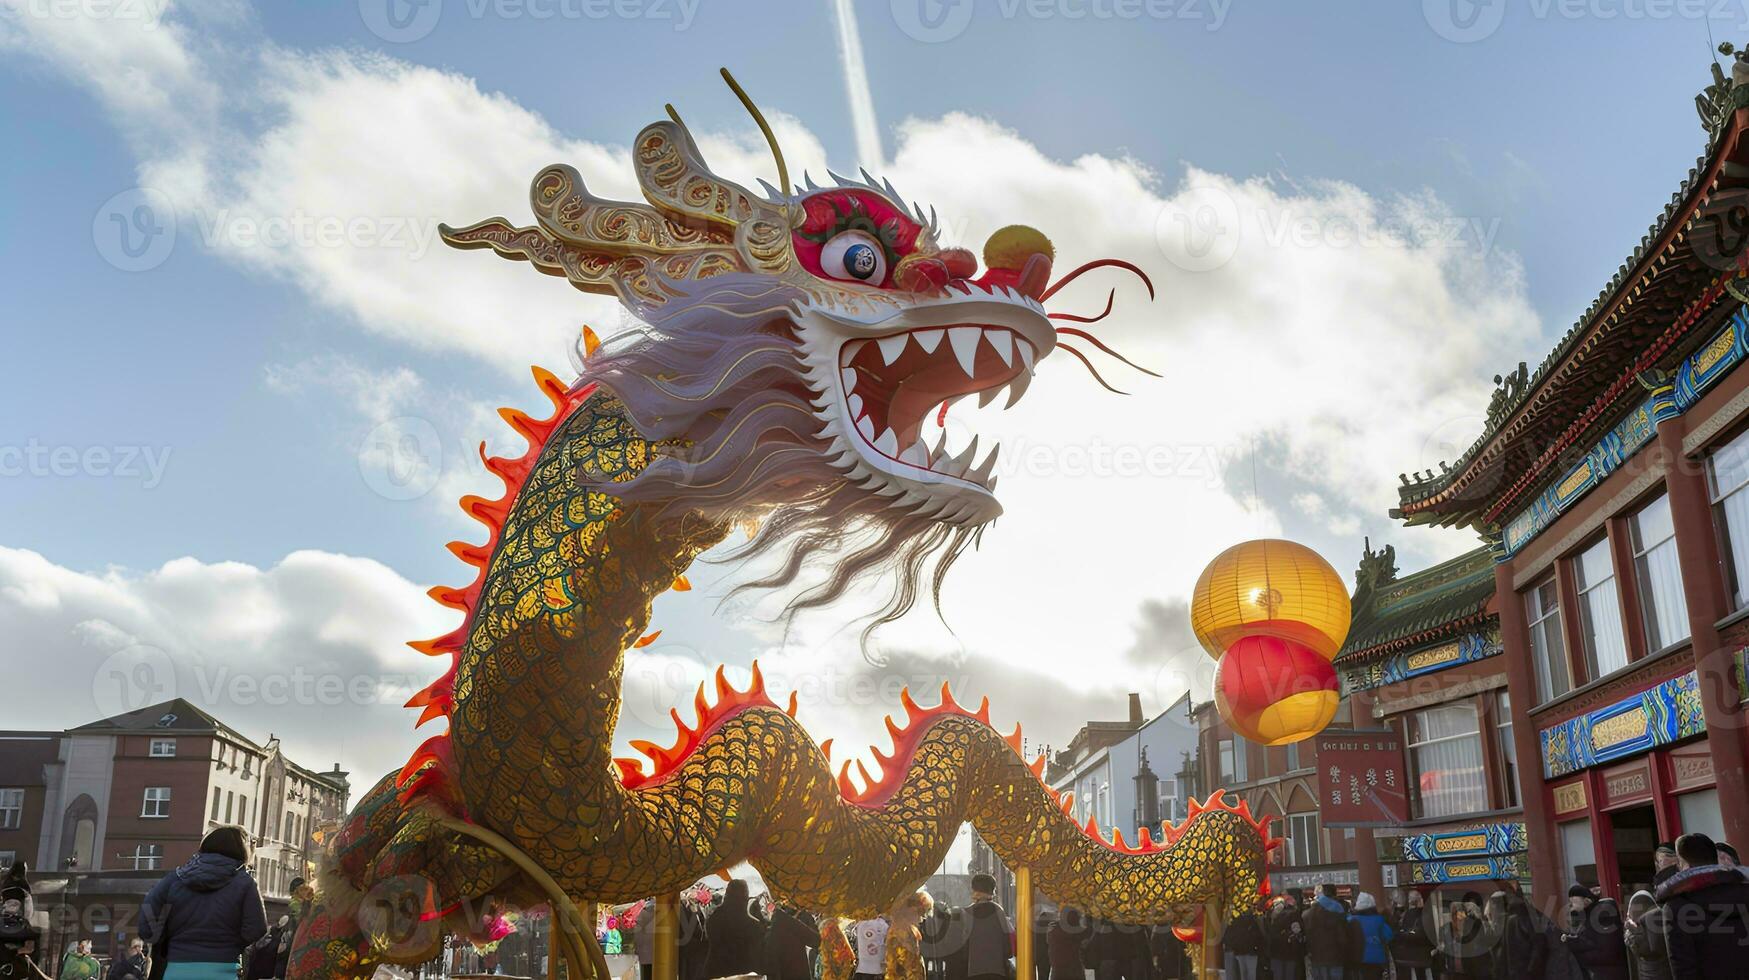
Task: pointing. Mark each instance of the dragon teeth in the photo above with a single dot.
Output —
(865, 425)
(887, 444)
(929, 340)
(916, 455)
(849, 376)
(855, 406)
(1002, 342)
(965, 346)
(1017, 387)
(982, 473)
(1027, 354)
(892, 347)
(988, 395)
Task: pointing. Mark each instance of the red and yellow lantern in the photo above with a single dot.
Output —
(1275, 691)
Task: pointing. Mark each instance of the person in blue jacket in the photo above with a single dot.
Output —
(1372, 936)
(207, 912)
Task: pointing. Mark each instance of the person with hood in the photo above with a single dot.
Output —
(1596, 941)
(1327, 932)
(1464, 941)
(1284, 939)
(1643, 933)
(207, 912)
(1417, 934)
(1241, 945)
(1706, 913)
(1372, 941)
(1063, 943)
(990, 939)
(736, 937)
(133, 964)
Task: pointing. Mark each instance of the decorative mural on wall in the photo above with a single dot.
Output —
(1505, 868)
(1666, 713)
(1698, 372)
(1485, 840)
(1403, 665)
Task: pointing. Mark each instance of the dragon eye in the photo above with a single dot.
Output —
(856, 256)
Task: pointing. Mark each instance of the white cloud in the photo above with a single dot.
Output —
(1347, 332)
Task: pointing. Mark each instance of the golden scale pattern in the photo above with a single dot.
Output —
(537, 698)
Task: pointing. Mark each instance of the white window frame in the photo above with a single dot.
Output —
(148, 857)
(1411, 745)
(1545, 621)
(1719, 494)
(1658, 633)
(1226, 754)
(155, 803)
(1593, 623)
(1305, 839)
(11, 809)
(1508, 748)
(162, 748)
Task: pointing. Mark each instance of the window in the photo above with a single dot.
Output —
(1548, 650)
(157, 802)
(148, 857)
(243, 810)
(11, 809)
(1226, 754)
(1578, 851)
(230, 804)
(1293, 756)
(1241, 759)
(1445, 756)
(1728, 479)
(216, 794)
(1658, 575)
(1508, 748)
(8, 858)
(1599, 611)
(162, 748)
(1168, 799)
(1303, 839)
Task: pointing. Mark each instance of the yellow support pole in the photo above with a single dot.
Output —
(667, 937)
(1023, 913)
(554, 951)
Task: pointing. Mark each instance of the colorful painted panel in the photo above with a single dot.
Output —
(1698, 372)
(1507, 868)
(1657, 716)
(1486, 840)
(1402, 666)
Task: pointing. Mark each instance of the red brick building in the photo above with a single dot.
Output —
(1611, 484)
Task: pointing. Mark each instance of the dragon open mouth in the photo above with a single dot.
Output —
(892, 384)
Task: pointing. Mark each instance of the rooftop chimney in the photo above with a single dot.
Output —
(1135, 708)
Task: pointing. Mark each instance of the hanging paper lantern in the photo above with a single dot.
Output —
(1270, 588)
(1275, 691)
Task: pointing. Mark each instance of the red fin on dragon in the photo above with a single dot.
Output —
(793, 344)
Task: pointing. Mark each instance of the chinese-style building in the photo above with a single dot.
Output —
(1610, 483)
(1423, 659)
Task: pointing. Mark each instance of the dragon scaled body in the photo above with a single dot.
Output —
(795, 344)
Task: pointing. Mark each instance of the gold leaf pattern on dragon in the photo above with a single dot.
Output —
(565, 582)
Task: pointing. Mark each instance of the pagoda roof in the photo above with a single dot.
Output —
(1652, 312)
(1391, 613)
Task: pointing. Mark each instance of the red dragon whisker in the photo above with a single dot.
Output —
(1087, 319)
(1099, 264)
(1091, 369)
(1095, 341)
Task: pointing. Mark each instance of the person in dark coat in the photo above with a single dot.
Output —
(1464, 941)
(1327, 935)
(695, 941)
(207, 912)
(793, 932)
(133, 964)
(1519, 948)
(943, 931)
(1706, 913)
(736, 936)
(1242, 945)
(1417, 934)
(990, 937)
(1169, 957)
(1063, 943)
(1643, 933)
(1284, 939)
(1596, 940)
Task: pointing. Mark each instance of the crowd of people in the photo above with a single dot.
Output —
(205, 921)
(1691, 924)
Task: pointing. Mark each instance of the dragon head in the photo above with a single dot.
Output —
(794, 346)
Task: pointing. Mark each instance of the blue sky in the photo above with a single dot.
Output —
(253, 376)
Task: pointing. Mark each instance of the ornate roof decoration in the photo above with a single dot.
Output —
(1392, 613)
(1647, 306)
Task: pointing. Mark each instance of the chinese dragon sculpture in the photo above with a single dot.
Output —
(793, 346)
